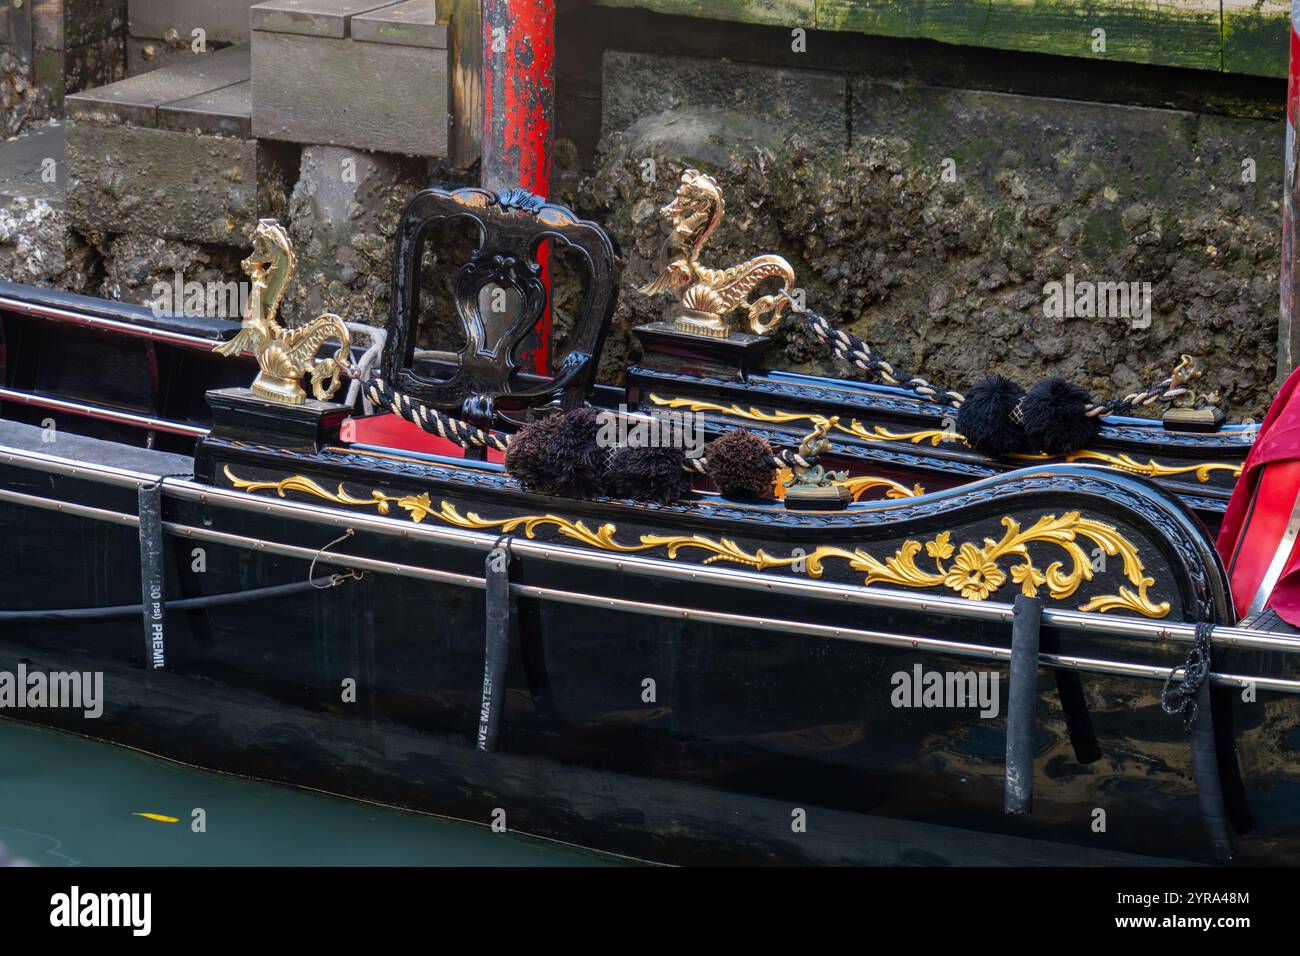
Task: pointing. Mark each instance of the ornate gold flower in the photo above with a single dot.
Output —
(1029, 578)
(974, 575)
(940, 548)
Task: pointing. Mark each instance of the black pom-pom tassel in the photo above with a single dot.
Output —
(740, 464)
(648, 474)
(1054, 419)
(984, 418)
(559, 455)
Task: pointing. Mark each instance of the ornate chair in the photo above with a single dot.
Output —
(486, 385)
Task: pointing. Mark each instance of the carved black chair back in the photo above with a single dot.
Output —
(487, 386)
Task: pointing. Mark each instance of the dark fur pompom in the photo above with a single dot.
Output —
(1054, 418)
(559, 455)
(648, 474)
(526, 458)
(739, 464)
(984, 418)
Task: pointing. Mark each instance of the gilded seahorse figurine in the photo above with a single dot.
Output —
(814, 444)
(707, 296)
(285, 355)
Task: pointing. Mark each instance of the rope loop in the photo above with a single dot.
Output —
(1180, 698)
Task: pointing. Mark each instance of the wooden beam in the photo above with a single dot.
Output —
(465, 41)
(1234, 36)
(1255, 36)
(793, 13)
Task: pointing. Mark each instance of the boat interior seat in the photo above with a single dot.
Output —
(501, 298)
(94, 451)
(1269, 537)
(1269, 622)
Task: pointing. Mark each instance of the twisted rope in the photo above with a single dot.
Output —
(431, 420)
(439, 423)
(1180, 698)
(781, 458)
(1163, 392)
(860, 355)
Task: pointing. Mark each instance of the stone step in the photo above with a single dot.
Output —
(171, 153)
(365, 74)
(137, 101)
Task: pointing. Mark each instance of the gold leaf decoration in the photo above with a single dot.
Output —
(975, 573)
(935, 436)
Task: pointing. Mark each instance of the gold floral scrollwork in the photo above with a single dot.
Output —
(1153, 469)
(937, 436)
(974, 571)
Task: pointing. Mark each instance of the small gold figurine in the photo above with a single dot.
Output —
(707, 296)
(812, 486)
(285, 355)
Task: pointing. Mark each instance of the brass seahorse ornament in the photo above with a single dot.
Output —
(705, 296)
(285, 355)
(813, 485)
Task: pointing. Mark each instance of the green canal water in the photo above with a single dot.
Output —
(67, 801)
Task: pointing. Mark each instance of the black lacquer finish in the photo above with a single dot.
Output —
(486, 386)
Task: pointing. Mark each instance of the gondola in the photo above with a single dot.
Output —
(1043, 665)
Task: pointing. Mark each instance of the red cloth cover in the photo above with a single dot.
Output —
(1278, 441)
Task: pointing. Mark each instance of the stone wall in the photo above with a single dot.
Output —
(931, 220)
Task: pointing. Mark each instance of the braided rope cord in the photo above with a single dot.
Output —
(860, 355)
(1172, 387)
(466, 435)
(432, 420)
(1179, 698)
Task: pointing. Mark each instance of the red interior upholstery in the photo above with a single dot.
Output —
(1266, 521)
(390, 431)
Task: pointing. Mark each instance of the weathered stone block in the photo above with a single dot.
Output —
(146, 55)
(806, 102)
(173, 184)
(49, 48)
(169, 153)
(323, 73)
(342, 219)
(223, 21)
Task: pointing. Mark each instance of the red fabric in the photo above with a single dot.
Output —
(389, 431)
(1278, 441)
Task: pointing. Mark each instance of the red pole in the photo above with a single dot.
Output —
(519, 114)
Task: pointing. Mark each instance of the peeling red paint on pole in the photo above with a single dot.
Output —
(519, 112)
